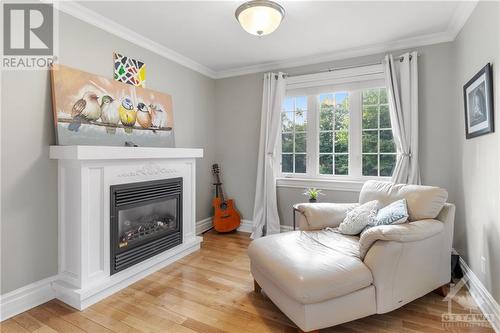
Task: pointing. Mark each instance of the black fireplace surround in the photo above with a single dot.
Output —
(146, 219)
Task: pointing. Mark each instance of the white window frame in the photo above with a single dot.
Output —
(353, 81)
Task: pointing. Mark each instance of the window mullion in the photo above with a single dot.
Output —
(355, 133)
(312, 136)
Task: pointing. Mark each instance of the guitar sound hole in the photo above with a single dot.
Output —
(223, 205)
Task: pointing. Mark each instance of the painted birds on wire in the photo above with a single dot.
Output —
(143, 115)
(109, 113)
(85, 109)
(158, 116)
(128, 114)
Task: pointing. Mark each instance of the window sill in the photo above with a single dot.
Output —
(323, 184)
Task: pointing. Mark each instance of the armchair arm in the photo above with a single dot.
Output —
(407, 232)
(315, 216)
(407, 261)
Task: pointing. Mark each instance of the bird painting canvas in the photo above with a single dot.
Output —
(94, 110)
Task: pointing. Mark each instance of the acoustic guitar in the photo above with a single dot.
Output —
(226, 217)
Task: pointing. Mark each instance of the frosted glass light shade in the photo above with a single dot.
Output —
(260, 17)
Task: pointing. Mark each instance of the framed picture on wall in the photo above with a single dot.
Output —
(478, 104)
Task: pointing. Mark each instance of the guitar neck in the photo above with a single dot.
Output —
(221, 193)
(219, 184)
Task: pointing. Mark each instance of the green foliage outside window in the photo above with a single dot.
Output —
(334, 134)
(378, 149)
(294, 135)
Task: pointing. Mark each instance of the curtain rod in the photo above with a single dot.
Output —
(331, 69)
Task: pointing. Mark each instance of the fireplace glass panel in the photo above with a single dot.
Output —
(146, 220)
(138, 224)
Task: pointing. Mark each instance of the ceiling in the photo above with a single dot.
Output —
(205, 35)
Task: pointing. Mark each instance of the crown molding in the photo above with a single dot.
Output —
(91, 17)
(458, 20)
(344, 54)
(460, 17)
(456, 23)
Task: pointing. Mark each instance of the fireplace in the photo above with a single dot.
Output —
(146, 219)
(95, 185)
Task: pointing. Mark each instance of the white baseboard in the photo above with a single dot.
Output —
(206, 224)
(246, 226)
(34, 294)
(39, 292)
(482, 297)
(203, 225)
(285, 228)
(27, 297)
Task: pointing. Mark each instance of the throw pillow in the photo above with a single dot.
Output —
(358, 218)
(395, 213)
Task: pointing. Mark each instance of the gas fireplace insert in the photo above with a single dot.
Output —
(146, 219)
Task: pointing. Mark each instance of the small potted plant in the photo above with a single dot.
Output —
(313, 194)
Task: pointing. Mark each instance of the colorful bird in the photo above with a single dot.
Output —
(128, 114)
(109, 113)
(158, 117)
(85, 109)
(143, 115)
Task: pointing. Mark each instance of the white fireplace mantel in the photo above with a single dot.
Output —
(120, 153)
(85, 174)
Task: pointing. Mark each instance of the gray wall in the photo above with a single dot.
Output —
(238, 104)
(477, 232)
(29, 178)
(223, 117)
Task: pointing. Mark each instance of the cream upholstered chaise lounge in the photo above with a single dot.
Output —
(320, 278)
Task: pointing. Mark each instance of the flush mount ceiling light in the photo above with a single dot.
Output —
(260, 17)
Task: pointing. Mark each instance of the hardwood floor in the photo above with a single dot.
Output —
(212, 291)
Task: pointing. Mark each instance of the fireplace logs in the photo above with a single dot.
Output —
(145, 229)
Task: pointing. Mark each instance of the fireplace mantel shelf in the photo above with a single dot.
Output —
(120, 153)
